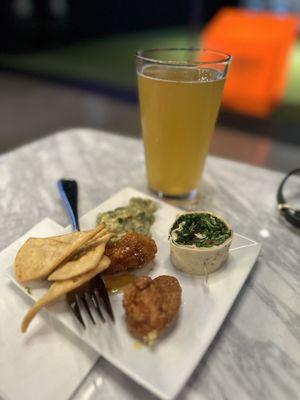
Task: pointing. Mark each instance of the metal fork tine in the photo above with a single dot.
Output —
(77, 310)
(95, 301)
(73, 302)
(84, 300)
(99, 284)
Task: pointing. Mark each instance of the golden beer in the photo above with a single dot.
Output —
(179, 107)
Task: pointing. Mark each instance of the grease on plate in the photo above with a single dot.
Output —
(138, 345)
(117, 283)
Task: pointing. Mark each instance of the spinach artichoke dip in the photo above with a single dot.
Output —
(137, 216)
(199, 242)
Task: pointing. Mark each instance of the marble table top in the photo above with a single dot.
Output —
(256, 354)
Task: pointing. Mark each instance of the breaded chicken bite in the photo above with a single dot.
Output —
(151, 306)
(134, 250)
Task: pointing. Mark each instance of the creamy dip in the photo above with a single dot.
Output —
(137, 216)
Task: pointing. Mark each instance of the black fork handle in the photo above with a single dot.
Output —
(68, 190)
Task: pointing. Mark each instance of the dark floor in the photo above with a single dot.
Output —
(31, 109)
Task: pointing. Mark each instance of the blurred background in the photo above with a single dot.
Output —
(70, 63)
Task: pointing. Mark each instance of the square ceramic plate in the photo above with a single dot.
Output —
(164, 368)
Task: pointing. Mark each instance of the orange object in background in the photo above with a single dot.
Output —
(259, 43)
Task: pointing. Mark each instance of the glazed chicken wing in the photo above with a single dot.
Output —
(151, 305)
(134, 250)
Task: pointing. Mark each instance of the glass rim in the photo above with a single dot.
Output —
(226, 58)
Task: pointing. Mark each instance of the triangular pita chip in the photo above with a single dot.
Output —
(38, 257)
(69, 237)
(86, 259)
(59, 288)
(79, 265)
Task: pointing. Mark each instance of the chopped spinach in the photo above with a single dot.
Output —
(200, 230)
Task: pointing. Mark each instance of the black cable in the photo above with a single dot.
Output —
(291, 214)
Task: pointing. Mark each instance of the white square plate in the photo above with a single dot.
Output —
(165, 368)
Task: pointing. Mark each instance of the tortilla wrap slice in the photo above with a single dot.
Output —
(38, 257)
(59, 288)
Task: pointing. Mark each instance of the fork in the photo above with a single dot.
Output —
(94, 290)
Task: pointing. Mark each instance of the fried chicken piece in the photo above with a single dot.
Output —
(151, 306)
(134, 250)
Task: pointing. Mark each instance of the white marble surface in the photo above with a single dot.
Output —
(256, 354)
